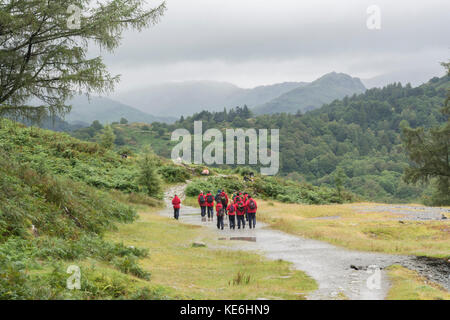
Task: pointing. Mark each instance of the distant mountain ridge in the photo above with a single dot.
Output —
(186, 98)
(107, 110)
(311, 96)
(415, 76)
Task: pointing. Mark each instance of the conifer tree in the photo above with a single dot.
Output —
(148, 176)
(429, 151)
(44, 45)
(107, 137)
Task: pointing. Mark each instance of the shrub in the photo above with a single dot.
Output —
(240, 279)
(172, 174)
(148, 176)
(46, 180)
(129, 264)
(107, 137)
(271, 188)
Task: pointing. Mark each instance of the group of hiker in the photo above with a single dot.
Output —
(239, 209)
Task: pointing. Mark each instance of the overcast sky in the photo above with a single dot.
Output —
(256, 42)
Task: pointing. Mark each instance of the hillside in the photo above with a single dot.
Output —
(415, 76)
(107, 110)
(360, 135)
(187, 98)
(312, 96)
(66, 202)
(55, 206)
(54, 123)
(262, 94)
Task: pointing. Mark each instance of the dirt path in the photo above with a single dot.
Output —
(338, 271)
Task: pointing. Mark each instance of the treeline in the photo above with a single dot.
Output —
(360, 135)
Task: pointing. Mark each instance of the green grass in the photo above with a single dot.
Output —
(408, 285)
(74, 193)
(70, 191)
(210, 272)
(191, 201)
(367, 232)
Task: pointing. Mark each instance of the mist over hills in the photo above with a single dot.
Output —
(107, 110)
(186, 98)
(324, 90)
(167, 102)
(415, 77)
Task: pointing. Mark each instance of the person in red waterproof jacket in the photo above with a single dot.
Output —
(252, 207)
(202, 203)
(240, 212)
(220, 215)
(210, 205)
(224, 198)
(176, 202)
(232, 215)
(245, 198)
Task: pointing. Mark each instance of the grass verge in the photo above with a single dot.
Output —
(207, 272)
(408, 285)
(342, 225)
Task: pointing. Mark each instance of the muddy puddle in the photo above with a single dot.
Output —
(250, 239)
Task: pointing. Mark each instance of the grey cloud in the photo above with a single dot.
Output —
(238, 37)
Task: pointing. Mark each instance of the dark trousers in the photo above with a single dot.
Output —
(246, 214)
(203, 210)
(176, 213)
(241, 219)
(252, 219)
(232, 221)
(220, 222)
(211, 212)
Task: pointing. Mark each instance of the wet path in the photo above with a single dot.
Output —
(338, 271)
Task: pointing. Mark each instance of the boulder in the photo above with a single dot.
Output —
(198, 244)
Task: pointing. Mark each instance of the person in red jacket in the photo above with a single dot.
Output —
(224, 198)
(245, 198)
(202, 202)
(237, 197)
(210, 205)
(176, 202)
(240, 212)
(232, 215)
(251, 211)
(220, 215)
